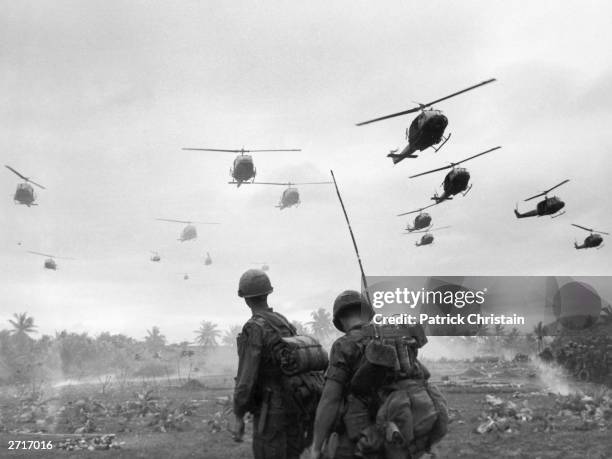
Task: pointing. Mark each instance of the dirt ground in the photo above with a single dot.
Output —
(516, 407)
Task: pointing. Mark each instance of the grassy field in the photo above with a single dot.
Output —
(511, 403)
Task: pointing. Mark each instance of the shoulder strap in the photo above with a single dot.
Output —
(276, 321)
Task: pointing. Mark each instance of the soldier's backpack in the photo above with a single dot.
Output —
(301, 360)
(411, 414)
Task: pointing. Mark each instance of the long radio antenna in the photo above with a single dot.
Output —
(363, 276)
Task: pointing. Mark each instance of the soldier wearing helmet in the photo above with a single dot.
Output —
(353, 391)
(351, 312)
(278, 432)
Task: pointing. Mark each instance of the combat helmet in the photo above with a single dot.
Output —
(346, 299)
(254, 282)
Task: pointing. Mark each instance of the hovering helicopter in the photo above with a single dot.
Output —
(185, 276)
(189, 232)
(244, 167)
(291, 195)
(24, 194)
(426, 130)
(155, 257)
(207, 260)
(548, 206)
(264, 265)
(592, 240)
(456, 181)
(50, 261)
(427, 238)
(421, 221)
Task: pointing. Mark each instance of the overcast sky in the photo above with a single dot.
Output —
(98, 98)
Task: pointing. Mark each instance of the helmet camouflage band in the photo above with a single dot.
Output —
(347, 299)
(254, 282)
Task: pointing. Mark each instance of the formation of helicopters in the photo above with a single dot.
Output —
(427, 130)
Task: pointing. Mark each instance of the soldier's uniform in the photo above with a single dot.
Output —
(277, 430)
(345, 357)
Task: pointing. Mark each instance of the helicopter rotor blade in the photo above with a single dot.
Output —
(422, 106)
(418, 210)
(50, 256)
(41, 254)
(16, 173)
(240, 151)
(186, 222)
(24, 177)
(590, 230)
(451, 165)
(173, 221)
(283, 183)
(544, 193)
(440, 228)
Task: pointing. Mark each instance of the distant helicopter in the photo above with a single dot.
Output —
(244, 167)
(264, 265)
(24, 194)
(189, 232)
(291, 195)
(427, 238)
(456, 181)
(421, 221)
(592, 240)
(548, 206)
(185, 276)
(50, 261)
(208, 260)
(155, 257)
(426, 130)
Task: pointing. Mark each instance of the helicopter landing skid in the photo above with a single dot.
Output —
(446, 139)
(466, 191)
(557, 215)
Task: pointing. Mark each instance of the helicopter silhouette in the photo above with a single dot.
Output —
(547, 206)
(457, 179)
(593, 240)
(50, 262)
(155, 257)
(427, 129)
(264, 265)
(189, 232)
(243, 169)
(291, 195)
(427, 237)
(208, 260)
(24, 194)
(421, 221)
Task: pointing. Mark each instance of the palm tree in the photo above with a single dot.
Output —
(154, 339)
(539, 331)
(207, 334)
(230, 335)
(23, 325)
(300, 328)
(321, 323)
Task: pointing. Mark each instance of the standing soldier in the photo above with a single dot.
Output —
(278, 431)
(376, 402)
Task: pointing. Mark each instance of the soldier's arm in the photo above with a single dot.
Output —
(337, 376)
(249, 351)
(327, 411)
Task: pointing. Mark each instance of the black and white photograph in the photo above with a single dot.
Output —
(305, 230)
